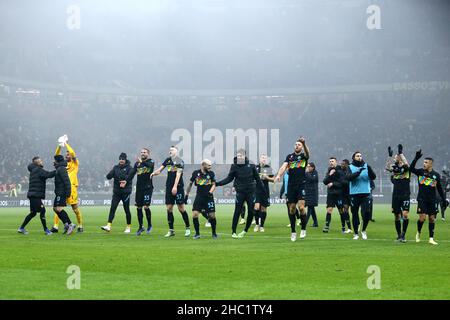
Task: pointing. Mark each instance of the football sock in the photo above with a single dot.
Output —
(263, 216)
(196, 225)
(419, 226)
(185, 217)
(140, 217)
(148, 215)
(347, 219)
(257, 216)
(328, 220)
(55, 221)
(293, 220)
(64, 217)
(431, 229)
(405, 225)
(170, 219)
(303, 221)
(342, 216)
(79, 217)
(213, 222)
(398, 227)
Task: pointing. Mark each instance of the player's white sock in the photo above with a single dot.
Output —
(293, 236)
(302, 234)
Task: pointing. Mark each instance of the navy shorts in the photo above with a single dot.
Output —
(426, 207)
(60, 201)
(178, 198)
(143, 197)
(400, 204)
(204, 204)
(335, 201)
(295, 193)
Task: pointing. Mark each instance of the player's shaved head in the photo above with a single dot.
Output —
(206, 164)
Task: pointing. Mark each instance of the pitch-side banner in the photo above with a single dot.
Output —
(103, 200)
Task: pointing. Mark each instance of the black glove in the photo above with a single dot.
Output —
(390, 152)
(186, 199)
(418, 154)
(362, 169)
(400, 149)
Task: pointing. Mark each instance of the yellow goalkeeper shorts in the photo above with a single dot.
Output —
(73, 199)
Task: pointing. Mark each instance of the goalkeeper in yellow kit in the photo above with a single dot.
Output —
(72, 170)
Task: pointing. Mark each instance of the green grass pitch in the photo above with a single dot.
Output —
(260, 266)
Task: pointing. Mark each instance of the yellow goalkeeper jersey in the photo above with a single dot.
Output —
(72, 166)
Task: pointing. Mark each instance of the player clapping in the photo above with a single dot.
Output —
(400, 177)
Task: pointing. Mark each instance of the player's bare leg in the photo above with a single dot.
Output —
(292, 210)
(431, 224)
(79, 216)
(213, 221)
(302, 210)
(257, 216)
(420, 222)
(263, 215)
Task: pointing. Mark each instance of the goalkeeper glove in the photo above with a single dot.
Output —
(444, 204)
(62, 140)
(400, 149)
(418, 154)
(390, 151)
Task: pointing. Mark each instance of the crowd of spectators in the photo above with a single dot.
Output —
(100, 128)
